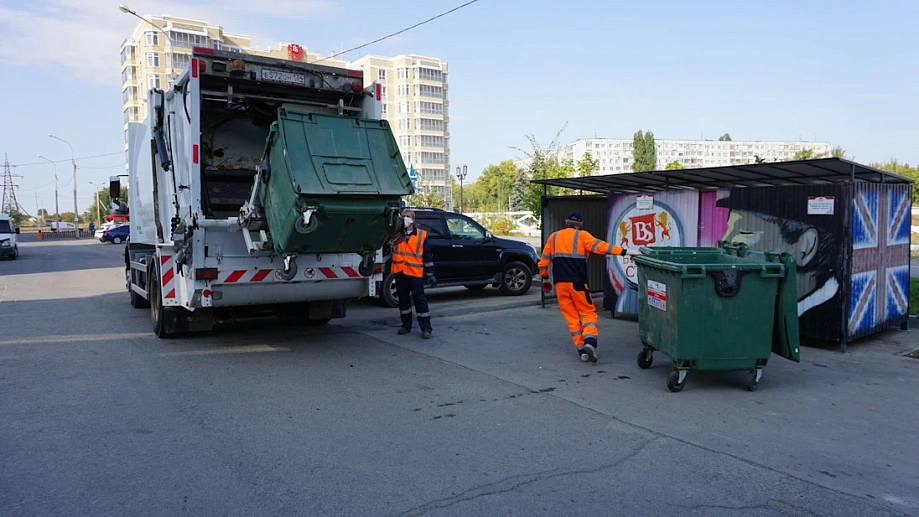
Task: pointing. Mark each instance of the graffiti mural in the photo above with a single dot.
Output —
(659, 219)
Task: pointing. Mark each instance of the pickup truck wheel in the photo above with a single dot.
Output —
(388, 294)
(516, 279)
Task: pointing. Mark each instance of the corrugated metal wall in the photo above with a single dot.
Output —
(594, 210)
(878, 287)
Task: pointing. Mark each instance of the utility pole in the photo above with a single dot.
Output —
(57, 210)
(73, 162)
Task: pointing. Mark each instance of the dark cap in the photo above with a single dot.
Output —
(575, 216)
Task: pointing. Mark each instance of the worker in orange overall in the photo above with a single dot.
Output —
(411, 262)
(567, 250)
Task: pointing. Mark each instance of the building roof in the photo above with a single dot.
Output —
(804, 172)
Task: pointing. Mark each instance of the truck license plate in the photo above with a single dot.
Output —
(280, 76)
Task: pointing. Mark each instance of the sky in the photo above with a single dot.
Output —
(839, 71)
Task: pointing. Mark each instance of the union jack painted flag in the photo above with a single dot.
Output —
(880, 259)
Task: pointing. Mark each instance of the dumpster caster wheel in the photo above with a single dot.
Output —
(754, 379)
(306, 228)
(289, 270)
(644, 359)
(366, 266)
(673, 381)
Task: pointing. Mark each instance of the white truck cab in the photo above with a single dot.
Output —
(8, 246)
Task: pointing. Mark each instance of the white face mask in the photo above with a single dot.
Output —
(408, 220)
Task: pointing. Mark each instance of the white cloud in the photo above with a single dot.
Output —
(83, 38)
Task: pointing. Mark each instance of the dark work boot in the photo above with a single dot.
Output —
(403, 330)
(426, 334)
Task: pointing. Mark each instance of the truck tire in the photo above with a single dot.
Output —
(388, 291)
(159, 315)
(516, 279)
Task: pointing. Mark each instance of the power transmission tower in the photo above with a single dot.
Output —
(9, 205)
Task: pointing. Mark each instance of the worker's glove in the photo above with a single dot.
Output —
(432, 280)
(633, 253)
(546, 286)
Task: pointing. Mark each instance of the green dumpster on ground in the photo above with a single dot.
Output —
(725, 308)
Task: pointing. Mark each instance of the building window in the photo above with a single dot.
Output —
(433, 157)
(403, 73)
(153, 81)
(153, 38)
(430, 74)
(384, 109)
(178, 60)
(184, 39)
(403, 90)
(405, 123)
(405, 107)
(428, 90)
(127, 74)
(381, 75)
(126, 54)
(153, 60)
(430, 124)
(217, 44)
(405, 140)
(407, 158)
(430, 141)
(383, 92)
(429, 107)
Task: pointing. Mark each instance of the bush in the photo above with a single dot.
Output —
(502, 226)
(914, 295)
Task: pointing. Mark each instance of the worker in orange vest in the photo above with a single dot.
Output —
(411, 262)
(567, 251)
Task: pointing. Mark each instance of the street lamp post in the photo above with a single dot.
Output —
(461, 175)
(127, 10)
(57, 212)
(73, 162)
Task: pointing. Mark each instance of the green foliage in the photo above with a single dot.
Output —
(94, 212)
(588, 166)
(426, 197)
(914, 295)
(16, 216)
(644, 153)
(758, 159)
(839, 152)
(807, 154)
(499, 225)
(675, 165)
(543, 164)
(725, 138)
(901, 169)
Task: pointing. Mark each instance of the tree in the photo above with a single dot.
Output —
(807, 154)
(16, 217)
(644, 153)
(758, 159)
(588, 166)
(725, 138)
(675, 165)
(543, 164)
(426, 197)
(94, 213)
(838, 152)
(901, 169)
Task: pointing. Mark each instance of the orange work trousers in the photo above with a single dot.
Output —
(578, 309)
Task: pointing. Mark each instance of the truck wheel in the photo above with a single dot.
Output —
(158, 313)
(516, 279)
(388, 294)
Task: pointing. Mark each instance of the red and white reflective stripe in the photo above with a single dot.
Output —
(247, 276)
(167, 276)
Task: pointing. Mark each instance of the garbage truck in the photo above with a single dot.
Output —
(258, 186)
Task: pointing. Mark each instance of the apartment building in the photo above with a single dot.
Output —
(615, 154)
(152, 59)
(414, 94)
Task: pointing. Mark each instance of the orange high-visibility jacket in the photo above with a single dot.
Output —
(412, 256)
(567, 250)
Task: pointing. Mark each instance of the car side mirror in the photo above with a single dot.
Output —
(488, 236)
(17, 230)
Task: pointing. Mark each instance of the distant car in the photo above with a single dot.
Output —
(101, 230)
(117, 234)
(8, 234)
(467, 254)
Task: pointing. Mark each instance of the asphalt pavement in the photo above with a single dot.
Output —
(494, 416)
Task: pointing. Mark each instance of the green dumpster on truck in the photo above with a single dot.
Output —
(725, 308)
(334, 184)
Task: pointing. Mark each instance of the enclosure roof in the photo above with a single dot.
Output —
(822, 171)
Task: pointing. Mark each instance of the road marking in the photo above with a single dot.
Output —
(250, 349)
(70, 338)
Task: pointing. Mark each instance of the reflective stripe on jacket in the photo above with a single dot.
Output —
(412, 256)
(567, 250)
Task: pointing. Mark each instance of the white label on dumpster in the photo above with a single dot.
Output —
(657, 295)
(821, 205)
(645, 202)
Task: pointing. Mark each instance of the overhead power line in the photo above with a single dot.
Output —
(419, 24)
(65, 161)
